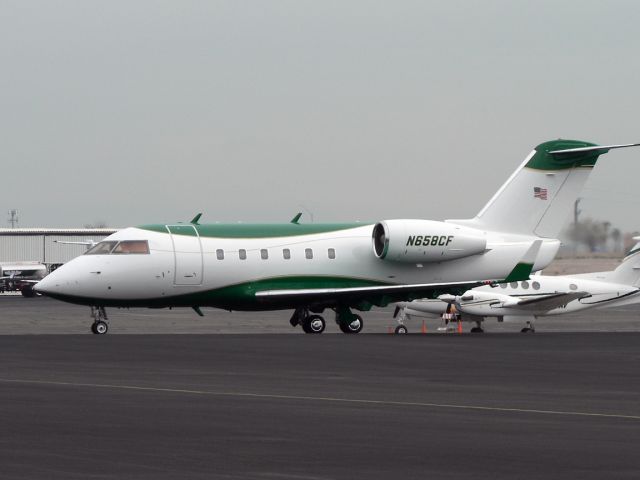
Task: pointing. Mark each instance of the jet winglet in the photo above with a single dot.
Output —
(198, 311)
(196, 219)
(296, 218)
(525, 266)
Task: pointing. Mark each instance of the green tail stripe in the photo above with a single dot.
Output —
(543, 160)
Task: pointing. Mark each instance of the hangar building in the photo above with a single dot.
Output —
(41, 244)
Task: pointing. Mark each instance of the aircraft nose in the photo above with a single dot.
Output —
(47, 285)
(58, 282)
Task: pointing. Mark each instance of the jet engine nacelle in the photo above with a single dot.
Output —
(425, 241)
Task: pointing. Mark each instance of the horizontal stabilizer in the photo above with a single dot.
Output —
(594, 148)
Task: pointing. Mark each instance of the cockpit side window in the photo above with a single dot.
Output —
(140, 247)
(102, 248)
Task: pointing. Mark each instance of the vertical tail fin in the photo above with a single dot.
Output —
(540, 194)
(628, 272)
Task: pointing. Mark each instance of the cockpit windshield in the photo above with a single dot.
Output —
(132, 246)
(120, 248)
(102, 248)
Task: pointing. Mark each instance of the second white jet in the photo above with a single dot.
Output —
(542, 295)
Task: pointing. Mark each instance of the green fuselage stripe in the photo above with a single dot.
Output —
(265, 230)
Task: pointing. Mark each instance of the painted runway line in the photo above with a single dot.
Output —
(389, 403)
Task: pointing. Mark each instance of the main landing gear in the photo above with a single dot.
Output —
(99, 326)
(478, 328)
(313, 324)
(347, 321)
(529, 328)
(309, 323)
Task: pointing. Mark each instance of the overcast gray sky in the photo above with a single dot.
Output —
(134, 112)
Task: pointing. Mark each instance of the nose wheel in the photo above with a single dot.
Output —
(99, 326)
(401, 316)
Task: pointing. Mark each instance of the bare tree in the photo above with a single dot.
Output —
(98, 224)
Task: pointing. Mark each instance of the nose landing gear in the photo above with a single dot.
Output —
(401, 316)
(99, 326)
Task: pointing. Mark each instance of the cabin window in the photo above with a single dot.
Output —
(525, 285)
(264, 254)
(102, 248)
(514, 284)
(503, 285)
(286, 253)
(573, 286)
(242, 253)
(220, 254)
(535, 285)
(332, 253)
(308, 253)
(132, 247)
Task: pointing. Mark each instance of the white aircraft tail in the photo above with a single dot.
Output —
(539, 196)
(628, 272)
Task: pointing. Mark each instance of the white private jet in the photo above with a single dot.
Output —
(540, 296)
(310, 268)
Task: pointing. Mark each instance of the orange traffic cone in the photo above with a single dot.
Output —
(459, 326)
(424, 327)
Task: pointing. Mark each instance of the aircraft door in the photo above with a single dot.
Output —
(187, 251)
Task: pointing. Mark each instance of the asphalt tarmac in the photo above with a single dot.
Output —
(41, 315)
(254, 406)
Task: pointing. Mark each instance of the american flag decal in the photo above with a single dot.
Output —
(540, 193)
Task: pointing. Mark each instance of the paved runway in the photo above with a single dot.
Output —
(549, 405)
(20, 315)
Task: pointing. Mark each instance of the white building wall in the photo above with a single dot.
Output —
(40, 245)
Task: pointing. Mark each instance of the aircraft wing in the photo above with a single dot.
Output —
(362, 296)
(549, 302)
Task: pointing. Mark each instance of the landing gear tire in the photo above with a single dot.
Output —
(313, 324)
(99, 327)
(355, 326)
(477, 330)
(401, 330)
(528, 330)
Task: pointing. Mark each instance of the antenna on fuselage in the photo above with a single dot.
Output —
(194, 220)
